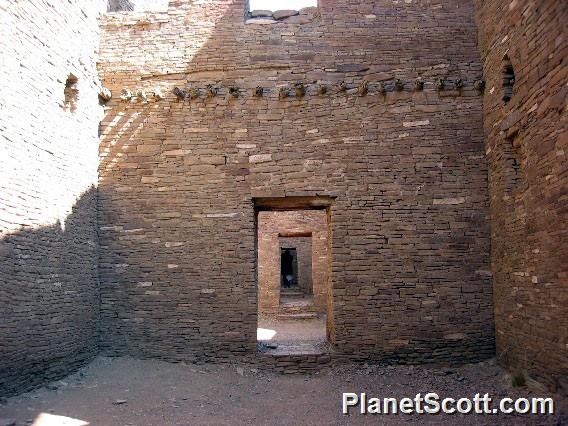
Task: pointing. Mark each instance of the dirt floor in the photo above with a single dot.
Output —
(124, 391)
(288, 336)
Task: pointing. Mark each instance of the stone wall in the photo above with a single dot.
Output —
(527, 148)
(178, 178)
(49, 297)
(303, 246)
(272, 224)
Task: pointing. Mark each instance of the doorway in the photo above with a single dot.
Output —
(288, 268)
(294, 275)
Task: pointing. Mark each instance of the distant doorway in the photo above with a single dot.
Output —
(288, 267)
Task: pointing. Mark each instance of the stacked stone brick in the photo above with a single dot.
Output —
(529, 215)
(49, 295)
(179, 175)
(326, 102)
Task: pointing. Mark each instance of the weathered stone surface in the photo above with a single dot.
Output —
(308, 10)
(261, 14)
(402, 268)
(173, 264)
(298, 19)
(260, 21)
(283, 14)
(49, 296)
(105, 94)
(527, 155)
(510, 120)
(352, 67)
(449, 201)
(260, 158)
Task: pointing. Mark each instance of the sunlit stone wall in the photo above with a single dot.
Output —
(49, 299)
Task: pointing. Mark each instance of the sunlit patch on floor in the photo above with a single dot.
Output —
(45, 419)
(265, 334)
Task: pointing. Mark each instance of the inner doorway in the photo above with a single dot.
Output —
(288, 268)
(294, 275)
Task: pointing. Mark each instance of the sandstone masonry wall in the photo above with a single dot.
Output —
(49, 296)
(527, 148)
(410, 242)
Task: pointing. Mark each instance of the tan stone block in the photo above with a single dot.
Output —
(260, 158)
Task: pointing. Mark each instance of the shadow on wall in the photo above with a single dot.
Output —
(49, 303)
(170, 288)
(176, 178)
(160, 263)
